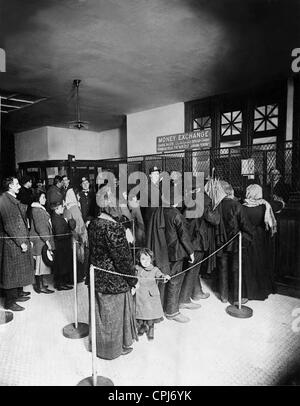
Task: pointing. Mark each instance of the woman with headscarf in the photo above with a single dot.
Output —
(115, 312)
(257, 269)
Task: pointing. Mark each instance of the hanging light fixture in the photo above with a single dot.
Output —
(78, 123)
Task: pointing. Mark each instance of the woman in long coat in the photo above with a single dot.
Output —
(41, 231)
(257, 267)
(115, 315)
(16, 263)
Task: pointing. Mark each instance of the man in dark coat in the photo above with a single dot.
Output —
(87, 200)
(235, 221)
(154, 198)
(16, 261)
(55, 193)
(277, 190)
(63, 259)
(25, 194)
(179, 247)
(191, 290)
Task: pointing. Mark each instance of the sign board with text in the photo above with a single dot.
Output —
(192, 140)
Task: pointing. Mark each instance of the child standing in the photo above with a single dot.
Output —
(148, 304)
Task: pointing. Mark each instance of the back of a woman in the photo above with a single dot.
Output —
(258, 272)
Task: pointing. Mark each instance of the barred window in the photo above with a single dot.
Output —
(201, 123)
(266, 117)
(231, 123)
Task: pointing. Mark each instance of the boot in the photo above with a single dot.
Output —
(150, 333)
(37, 285)
(142, 329)
(43, 288)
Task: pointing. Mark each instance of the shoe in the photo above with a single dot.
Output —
(24, 294)
(244, 300)
(45, 290)
(126, 350)
(190, 306)
(14, 307)
(201, 296)
(22, 299)
(36, 288)
(179, 317)
(143, 329)
(60, 287)
(150, 333)
(67, 287)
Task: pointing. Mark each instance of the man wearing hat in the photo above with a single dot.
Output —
(87, 200)
(154, 195)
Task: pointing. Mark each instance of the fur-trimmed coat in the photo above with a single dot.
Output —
(16, 267)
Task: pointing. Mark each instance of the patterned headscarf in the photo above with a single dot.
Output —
(254, 198)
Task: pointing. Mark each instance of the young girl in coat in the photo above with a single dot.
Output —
(148, 304)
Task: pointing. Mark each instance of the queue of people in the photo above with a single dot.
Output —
(137, 283)
(36, 231)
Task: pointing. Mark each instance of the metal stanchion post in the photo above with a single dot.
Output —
(133, 232)
(241, 312)
(76, 329)
(5, 317)
(94, 380)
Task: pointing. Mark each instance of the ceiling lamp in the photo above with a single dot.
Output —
(78, 123)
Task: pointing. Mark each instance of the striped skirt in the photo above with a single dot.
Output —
(115, 323)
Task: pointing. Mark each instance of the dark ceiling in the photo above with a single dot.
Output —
(133, 55)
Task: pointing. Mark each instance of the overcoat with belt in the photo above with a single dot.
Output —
(16, 267)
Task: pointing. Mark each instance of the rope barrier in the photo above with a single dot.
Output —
(35, 236)
(47, 236)
(173, 276)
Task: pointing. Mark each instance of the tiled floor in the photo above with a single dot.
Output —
(212, 349)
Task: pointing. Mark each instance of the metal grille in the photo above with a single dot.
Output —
(226, 161)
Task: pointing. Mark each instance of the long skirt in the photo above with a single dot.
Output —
(40, 267)
(115, 324)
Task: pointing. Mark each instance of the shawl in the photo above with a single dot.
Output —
(254, 199)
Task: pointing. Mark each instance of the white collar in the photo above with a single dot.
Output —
(12, 194)
(37, 205)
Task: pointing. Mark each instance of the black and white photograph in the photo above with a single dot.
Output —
(150, 195)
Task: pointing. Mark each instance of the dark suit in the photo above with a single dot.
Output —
(87, 202)
(281, 189)
(63, 262)
(198, 232)
(179, 247)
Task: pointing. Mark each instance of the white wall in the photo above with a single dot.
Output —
(145, 126)
(50, 143)
(31, 145)
(84, 144)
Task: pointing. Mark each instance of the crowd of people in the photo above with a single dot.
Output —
(148, 261)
